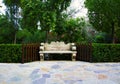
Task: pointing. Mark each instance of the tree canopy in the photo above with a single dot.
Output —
(54, 21)
(46, 11)
(104, 15)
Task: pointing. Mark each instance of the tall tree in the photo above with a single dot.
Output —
(104, 15)
(13, 13)
(47, 11)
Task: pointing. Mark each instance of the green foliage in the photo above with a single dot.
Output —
(11, 2)
(70, 30)
(47, 12)
(6, 30)
(10, 53)
(106, 52)
(25, 36)
(100, 38)
(73, 30)
(104, 15)
(38, 36)
(13, 14)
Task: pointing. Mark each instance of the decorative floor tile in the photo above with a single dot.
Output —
(60, 72)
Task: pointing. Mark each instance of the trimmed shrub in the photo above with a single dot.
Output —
(10, 53)
(105, 52)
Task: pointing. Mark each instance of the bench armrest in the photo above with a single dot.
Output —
(73, 48)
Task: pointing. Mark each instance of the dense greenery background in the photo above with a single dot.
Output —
(104, 15)
(21, 18)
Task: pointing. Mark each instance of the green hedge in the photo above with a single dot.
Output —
(105, 52)
(10, 53)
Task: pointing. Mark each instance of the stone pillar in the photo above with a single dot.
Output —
(74, 57)
(41, 57)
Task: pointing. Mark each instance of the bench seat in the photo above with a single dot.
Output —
(67, 52)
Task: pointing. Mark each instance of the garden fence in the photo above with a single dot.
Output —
(84, 52)
(30, 52)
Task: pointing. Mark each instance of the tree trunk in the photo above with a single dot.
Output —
(47, 33)
(113, 33)
(15, 38)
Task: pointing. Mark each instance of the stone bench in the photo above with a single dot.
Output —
(57, 48)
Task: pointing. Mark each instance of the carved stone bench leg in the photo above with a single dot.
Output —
(41, 57)
(74, 57)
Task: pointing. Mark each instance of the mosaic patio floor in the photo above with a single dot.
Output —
(60, 72)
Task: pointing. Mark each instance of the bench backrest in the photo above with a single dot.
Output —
(57, 46)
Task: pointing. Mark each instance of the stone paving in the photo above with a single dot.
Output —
(60, 72)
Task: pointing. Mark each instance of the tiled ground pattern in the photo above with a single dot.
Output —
(60, 72)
